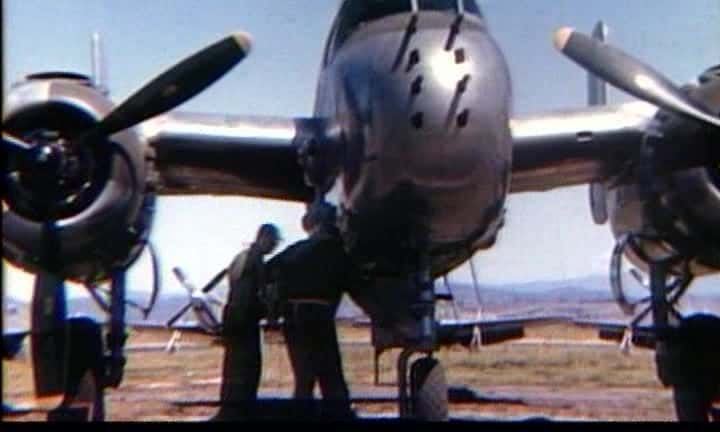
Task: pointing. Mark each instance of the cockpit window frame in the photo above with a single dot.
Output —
(333, 43)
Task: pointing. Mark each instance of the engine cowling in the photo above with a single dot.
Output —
(680, 209)
(102, 196)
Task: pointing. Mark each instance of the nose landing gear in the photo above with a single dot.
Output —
(428, 398)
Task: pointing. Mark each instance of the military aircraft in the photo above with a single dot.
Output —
(412, 139)
(203, 303)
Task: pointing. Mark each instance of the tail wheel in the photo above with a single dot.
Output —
(428, 389)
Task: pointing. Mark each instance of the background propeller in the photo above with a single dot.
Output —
(192, 291)
(629, 74)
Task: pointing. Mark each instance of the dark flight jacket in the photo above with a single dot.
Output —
(243, 299)
(314, 268)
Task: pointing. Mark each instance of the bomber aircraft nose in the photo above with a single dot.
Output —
(428, 116)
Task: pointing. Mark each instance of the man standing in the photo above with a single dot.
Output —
(311, 276)
(241, 328)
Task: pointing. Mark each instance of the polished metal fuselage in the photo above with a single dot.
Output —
(427, 145)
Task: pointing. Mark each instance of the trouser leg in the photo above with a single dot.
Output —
(324, 358)
(329, 365)
(296, 340)
(330, 373)
(241, 373)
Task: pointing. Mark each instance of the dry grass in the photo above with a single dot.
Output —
(161, 376)
(508, 364)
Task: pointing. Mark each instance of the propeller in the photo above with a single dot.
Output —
(192, 291)
(170, 89)
(629, 74)
(176, 85)
(47, 158)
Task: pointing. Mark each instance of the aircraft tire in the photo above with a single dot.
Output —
(86, 406)
(84, 398)
(91, 394)
(429, 390)
(689, 363)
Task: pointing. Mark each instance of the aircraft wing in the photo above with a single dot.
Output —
(191, 327)
(530, 320)
(152, 325)
(642, 336)
(230, 155)
(467, 332)
(491, 331)
(578, 146)
(258, 156)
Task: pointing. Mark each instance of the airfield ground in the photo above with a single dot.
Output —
(555, 380)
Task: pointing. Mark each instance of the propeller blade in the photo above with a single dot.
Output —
(180, 275)
(177, 316)
(217, 301)
(214, 281)
(628, 74)
(176, 85)
(13, 143)
(639, 278)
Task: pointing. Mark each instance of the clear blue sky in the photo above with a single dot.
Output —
(548, 236)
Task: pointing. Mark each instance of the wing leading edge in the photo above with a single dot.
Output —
(258, 156)
(230, 155)
(572, 147)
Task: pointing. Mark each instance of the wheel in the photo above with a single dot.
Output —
(91, 396)
(84, 387)
(428, 390)
(689, 362)
(86, 406)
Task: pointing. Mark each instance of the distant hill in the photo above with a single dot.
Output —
(587, 298)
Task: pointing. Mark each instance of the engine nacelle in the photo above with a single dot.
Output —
(319, 153)
(102, 200)
(682, 207)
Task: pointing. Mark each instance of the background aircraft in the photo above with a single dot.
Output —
(570, 148)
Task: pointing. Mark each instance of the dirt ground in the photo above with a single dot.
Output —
(558, 380)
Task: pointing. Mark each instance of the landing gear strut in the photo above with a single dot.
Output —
(425, 397)
(83, 398)
(88, 371)
(687, 349)
(687, 355)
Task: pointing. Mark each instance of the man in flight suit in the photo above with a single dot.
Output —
(311, 276)
(241, 327)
